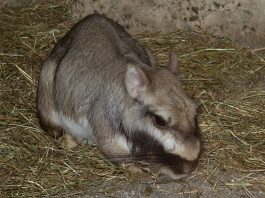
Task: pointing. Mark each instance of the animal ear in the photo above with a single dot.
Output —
(173, 62)
(136, 81)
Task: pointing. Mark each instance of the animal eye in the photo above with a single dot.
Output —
(159, 121)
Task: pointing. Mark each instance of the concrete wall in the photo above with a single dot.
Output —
(6, 3)
(240, 20)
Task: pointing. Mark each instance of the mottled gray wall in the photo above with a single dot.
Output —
(240, 20)
(6, 3)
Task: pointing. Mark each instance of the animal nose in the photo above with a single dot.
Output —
(183, 171)
(189, 167)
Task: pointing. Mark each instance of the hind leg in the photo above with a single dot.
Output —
(45, 102)
(55, 132)
(52, 129)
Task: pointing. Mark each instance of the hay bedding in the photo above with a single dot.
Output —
(227, 80)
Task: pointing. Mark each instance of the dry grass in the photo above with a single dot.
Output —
(226, 79)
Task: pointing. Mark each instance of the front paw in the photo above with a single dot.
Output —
(67, 141)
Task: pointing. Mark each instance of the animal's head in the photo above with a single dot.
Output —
(164, 111)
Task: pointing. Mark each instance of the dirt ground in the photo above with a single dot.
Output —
(226, 185)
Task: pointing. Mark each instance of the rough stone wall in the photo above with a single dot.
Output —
(6, 3)
(240, 20)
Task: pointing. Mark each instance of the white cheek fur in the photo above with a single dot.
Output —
(185, 150)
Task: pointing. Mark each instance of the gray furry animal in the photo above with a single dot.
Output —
(102, 87)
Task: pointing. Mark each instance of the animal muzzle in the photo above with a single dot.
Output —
(177, 168)
(188, 148)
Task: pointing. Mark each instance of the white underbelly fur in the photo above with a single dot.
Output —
(81, 130)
